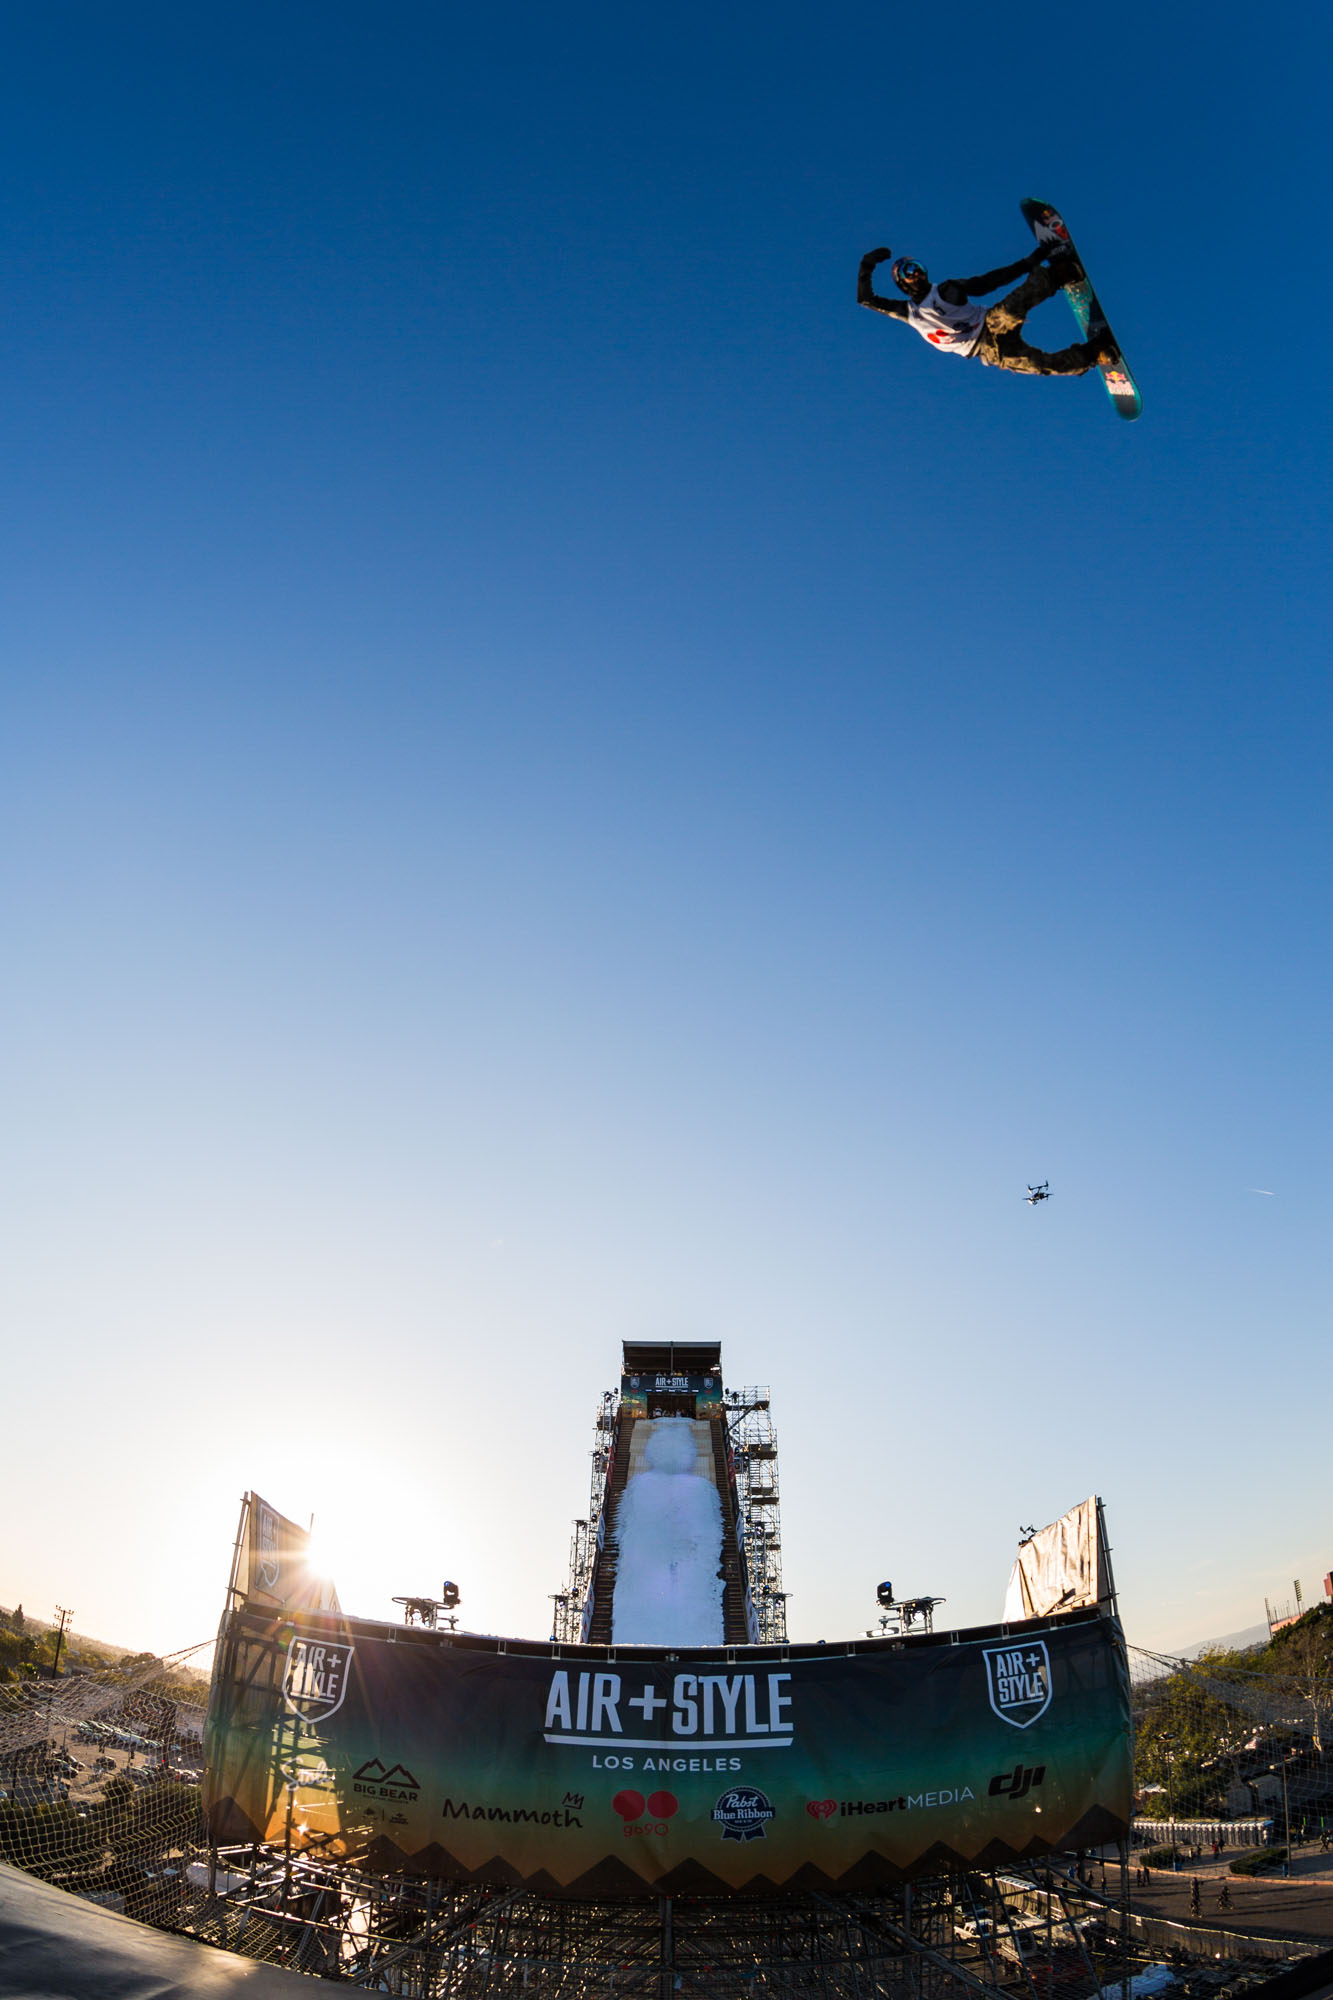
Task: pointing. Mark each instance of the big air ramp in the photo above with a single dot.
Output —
(666, 1563)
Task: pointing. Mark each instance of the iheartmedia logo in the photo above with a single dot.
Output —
(949, 1795)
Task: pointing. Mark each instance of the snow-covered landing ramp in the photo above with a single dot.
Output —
(668, 1531)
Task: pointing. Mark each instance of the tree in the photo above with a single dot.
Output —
(23, 1654)
(1304, 1654)
(1187, 1735)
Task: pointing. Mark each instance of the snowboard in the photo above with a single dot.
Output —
(1049, 226)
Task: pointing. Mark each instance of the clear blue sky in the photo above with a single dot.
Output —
(559, 782)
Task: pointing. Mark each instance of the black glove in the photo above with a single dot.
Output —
(876, 256)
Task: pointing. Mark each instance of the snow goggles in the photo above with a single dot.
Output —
(906, 271)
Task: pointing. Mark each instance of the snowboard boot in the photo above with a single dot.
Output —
(1065, 268)
(1101, 350)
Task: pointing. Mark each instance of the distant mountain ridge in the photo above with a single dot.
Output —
(1231, 1642)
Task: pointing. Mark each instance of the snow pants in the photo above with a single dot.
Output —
(1002, 344)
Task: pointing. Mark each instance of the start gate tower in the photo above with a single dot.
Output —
(735, 1451)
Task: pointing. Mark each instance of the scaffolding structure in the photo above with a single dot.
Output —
(754, 1452)
(754, 1447)
(1025, 1933)
(573, 1603)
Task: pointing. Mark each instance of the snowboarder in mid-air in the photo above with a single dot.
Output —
(946, 315)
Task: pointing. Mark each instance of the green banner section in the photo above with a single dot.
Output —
(591, 1772)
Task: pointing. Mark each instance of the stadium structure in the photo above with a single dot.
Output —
(666, 1796)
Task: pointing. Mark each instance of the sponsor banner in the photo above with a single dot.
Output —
(274, 1566)
(643, 1394)
(655, 1382)
(587, 1772)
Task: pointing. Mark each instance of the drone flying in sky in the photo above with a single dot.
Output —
(1036, 1194)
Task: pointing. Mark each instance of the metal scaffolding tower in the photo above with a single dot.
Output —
(754, 1447)
(570, 1604)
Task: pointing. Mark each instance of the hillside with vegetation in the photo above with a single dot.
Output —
(28, 1652)
(1226, 1732)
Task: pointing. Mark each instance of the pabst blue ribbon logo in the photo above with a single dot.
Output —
(743, 1813)
(315, 1681)
(1018, 1681)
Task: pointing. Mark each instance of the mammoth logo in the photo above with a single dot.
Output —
(267, 1542)
(1018, 1681)
(316, 1678)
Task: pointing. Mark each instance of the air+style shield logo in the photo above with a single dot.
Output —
(315, 1679)
(269, 1561)
(1018, 1681)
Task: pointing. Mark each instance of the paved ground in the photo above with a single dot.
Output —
(1299, 1906)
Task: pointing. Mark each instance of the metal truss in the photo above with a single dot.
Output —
(755, 1456)
(754, 1446)
(1024, 1934)
(567, 1625)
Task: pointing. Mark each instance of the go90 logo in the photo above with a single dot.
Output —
(642, 1815)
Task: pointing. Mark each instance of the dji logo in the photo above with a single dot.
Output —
(1016, 1784)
